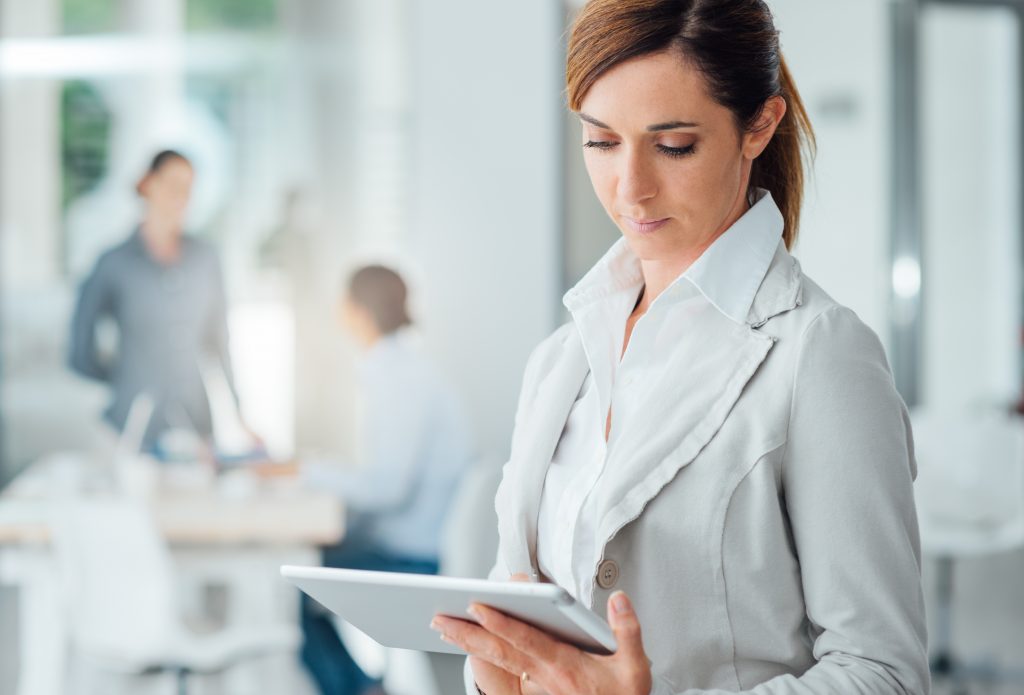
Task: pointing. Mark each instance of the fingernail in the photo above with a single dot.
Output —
(446, 638)
(434, 625)
(475, 612)
(620, 603)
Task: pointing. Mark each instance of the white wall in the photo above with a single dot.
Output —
(29, 171)
(971, 184)
(840, 56)
(485, 184)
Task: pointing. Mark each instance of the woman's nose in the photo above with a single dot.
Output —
(637, 181)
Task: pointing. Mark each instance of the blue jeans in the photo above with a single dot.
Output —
(330, 664)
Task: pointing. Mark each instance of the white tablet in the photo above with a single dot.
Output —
(396, 609)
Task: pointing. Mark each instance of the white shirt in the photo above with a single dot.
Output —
(725, 278)
(415, 446)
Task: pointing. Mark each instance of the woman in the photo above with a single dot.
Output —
(164, 291)
(712, 435)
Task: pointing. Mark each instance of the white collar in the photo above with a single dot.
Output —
(728, 273)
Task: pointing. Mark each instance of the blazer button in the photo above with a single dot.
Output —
(607, 574)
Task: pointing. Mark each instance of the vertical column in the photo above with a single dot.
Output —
(905, 337)
(382, 112)
(30, 251)
(321, 139)
(485, 211)
(30, 166)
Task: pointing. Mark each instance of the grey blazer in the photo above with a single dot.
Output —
(764, 522)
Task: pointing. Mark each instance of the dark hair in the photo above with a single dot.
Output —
(735, 45)
(164, 156)
(159, 160)
(383, 293)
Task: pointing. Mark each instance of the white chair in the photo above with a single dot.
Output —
(469, 540)
(970, 500)
(119, 586)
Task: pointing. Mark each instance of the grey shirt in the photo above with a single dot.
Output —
(171, 320)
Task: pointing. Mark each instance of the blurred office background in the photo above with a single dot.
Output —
(433, 136)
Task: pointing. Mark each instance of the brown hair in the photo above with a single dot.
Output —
(383, 293)
(735, 45)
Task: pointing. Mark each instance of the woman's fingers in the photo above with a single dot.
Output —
(525, 638)
(503, 649)
(478, 642)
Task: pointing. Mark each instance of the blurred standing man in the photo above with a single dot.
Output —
(165, 293)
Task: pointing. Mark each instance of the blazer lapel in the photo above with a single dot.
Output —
(690, 396)
(690, 399)
(537, 434)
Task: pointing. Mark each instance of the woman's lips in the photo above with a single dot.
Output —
(644, 226)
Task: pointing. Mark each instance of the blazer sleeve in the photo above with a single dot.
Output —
(847, 476)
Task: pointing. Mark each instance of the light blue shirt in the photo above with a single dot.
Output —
(415, 447)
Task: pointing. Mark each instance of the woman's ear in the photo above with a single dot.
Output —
(142, 185)
(757, 138)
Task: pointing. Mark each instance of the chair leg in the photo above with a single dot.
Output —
(942, 663)
(182, 678)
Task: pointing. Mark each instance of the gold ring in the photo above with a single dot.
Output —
(524, 679)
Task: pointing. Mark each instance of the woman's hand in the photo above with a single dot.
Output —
(493, 680)
(503, 649)
(287, 469)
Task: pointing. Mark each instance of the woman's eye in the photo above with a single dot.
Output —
(600, 144)
(676, 151)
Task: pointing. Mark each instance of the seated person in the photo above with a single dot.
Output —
(416, 447)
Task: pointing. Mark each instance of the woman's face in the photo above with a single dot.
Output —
(668, 163)
(168, 189)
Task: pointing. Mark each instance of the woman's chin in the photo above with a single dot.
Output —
(651, 247)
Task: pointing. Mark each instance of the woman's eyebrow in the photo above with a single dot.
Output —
(593, 121)
(671, 125)
(658, 127)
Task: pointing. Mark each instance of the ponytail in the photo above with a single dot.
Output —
(781, 168)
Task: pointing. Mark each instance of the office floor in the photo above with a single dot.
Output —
(988, 620)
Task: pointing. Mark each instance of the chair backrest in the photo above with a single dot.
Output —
(469, 540)
(117, 576)
(970, 467)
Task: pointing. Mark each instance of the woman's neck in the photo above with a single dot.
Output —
(163, 241)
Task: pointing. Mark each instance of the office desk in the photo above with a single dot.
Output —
(234, 531)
